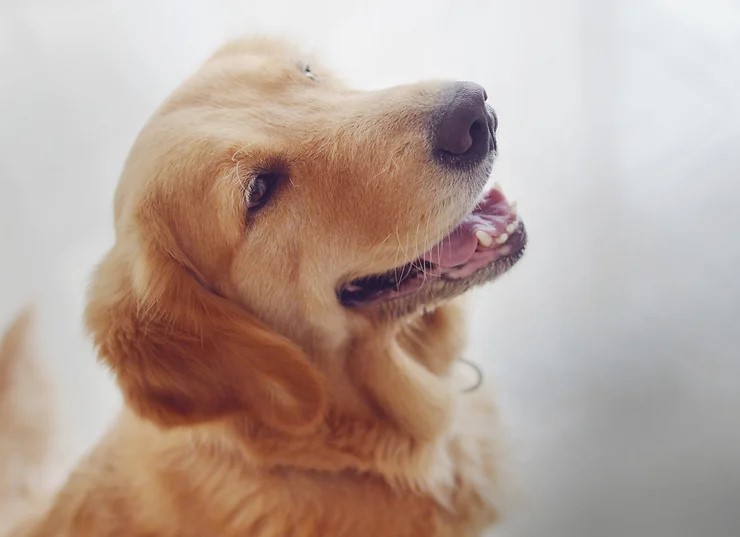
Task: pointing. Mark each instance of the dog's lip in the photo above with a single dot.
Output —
(492, 232)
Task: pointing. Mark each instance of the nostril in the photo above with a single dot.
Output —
(477, 130)
(462, 129)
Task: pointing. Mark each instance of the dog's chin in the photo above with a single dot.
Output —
(486, 243)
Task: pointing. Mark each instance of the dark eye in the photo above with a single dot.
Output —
(307, 72)
(259, 190)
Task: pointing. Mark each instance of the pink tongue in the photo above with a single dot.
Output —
(490, 215)
(456, 248)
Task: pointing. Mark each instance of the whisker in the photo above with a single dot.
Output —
(377, 247)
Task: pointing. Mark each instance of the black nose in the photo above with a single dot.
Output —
(464, 128)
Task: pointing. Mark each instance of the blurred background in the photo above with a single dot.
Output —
(613, 347)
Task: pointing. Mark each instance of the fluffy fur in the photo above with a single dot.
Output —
(25, 424)
(255, 403)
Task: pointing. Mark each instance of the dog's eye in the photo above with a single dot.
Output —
(307, 72)
(259, 190)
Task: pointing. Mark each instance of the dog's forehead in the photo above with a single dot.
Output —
(258, 75)
(263, 58)
(266, 46)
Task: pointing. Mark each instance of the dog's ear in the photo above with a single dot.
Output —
(182, 354)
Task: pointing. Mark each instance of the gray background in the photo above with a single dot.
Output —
(613, 347)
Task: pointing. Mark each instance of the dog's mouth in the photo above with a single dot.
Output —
(484, 244)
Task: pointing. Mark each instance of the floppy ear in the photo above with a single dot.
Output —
(184, 355)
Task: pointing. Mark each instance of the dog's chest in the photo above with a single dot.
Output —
(451, 490)
(337, 506)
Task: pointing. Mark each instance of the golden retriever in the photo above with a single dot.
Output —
(279, 311)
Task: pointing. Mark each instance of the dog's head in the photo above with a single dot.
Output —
(267, 209)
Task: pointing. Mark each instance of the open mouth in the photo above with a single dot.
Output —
(484, 244)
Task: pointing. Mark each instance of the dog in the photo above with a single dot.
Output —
(281, 310)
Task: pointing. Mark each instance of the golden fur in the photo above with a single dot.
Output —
(25, 424)
(256, 405)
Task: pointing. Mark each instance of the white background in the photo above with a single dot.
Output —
(613, 346)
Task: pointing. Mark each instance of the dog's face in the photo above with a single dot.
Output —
(271, 185)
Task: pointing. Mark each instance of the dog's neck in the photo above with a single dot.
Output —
(391, 399)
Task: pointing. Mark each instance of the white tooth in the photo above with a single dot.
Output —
(497, 186)
(512, 207)
(484, 239)
(511, 228)
(502, 238)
